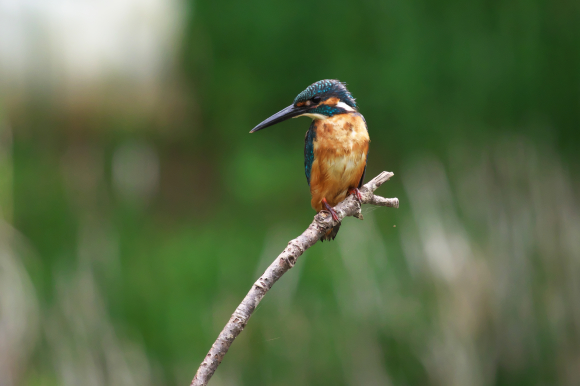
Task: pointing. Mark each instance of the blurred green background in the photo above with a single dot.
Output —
(136, 210)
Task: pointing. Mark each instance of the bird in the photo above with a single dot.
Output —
(336, 145)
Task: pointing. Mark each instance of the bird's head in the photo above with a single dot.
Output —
(320, 100)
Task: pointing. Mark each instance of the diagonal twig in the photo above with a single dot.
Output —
(322, 222)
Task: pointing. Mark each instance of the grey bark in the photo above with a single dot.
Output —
(322, 222)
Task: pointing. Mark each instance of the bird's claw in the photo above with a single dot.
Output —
(356, 193)
(334, 214)
(329, 208)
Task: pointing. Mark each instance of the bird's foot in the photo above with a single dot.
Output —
(356, 193)
(329, 208)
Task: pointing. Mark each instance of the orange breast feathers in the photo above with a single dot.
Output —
(340, 155)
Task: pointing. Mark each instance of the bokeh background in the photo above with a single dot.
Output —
(136, 210)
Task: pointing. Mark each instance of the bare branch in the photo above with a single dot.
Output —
(322, 222)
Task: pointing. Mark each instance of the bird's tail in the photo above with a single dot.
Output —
(331, 234)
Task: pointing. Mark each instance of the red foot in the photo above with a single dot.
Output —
(329, 208)
(356, 193)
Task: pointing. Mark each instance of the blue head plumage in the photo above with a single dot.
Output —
(325, 89)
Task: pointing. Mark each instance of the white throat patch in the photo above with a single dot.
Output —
(343, 105)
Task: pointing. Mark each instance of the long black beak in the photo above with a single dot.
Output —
(287, 113)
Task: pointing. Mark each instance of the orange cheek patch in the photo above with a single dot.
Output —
(331, 101)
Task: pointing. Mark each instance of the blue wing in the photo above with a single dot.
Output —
(309, 150)
(360, 184)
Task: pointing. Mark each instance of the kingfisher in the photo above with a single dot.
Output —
(336, 145)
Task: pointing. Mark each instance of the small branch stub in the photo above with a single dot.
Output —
(287, 259)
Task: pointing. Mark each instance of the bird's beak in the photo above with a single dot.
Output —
(289, 112)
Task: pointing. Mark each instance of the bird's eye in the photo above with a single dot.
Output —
(316, 99)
